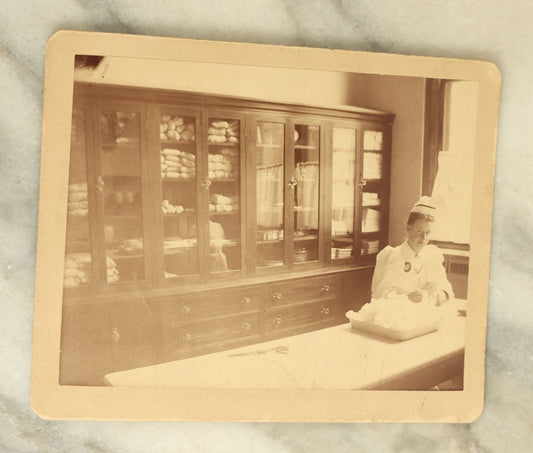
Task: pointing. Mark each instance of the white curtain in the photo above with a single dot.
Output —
(452, 194)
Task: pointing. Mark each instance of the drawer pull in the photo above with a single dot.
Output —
(246, 326)
(246, 300)
(325, 311)
(278, 296)
(185, 309)
(326, 288)
(187, 336)
(276, 320)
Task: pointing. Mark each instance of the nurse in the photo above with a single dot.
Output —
(414, 268)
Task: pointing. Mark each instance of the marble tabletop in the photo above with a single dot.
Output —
(491, 29)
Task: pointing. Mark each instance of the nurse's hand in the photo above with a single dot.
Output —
(417, 295)
(441, 297)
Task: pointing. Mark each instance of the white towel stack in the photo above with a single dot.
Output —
(77, 200)
(341, 252)
(176, 164)
(169, 208)
(224, 164)
(371, 199)
(222, 203)
(373, 141)
(223, 132)
(369, 247)
(77, 271)
(372, 165)
(371, 220)
(174, 129)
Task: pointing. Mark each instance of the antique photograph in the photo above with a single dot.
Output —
(237, 226)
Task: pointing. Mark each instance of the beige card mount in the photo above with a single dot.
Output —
(209, 221)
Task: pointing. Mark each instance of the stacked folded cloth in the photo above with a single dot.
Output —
(369, 247)
(372, 165)
(77, 270)
(169, 208)
(223, 132)
(222, 203)
(175, 242)
(371, 199)
(131, 246)
(371, 220)
(77, 200)
(177, 164)
(339, 252)
(373, 140)
(173, 129)
(224, 165)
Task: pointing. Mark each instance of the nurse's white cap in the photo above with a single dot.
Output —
(425, 206)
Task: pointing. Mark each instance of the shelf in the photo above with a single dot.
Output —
(310, 147)
(306, 238)
(271, 241)
(267, 145)
(113, 254)
(174, 144)
(344, 239)
(212, 213)
(368, 233)
(122, 217)
(176, 214)
(223, 179)
(179, 179)
(225, 144)
(134, 145)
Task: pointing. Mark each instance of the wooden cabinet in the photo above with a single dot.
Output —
(205, 221)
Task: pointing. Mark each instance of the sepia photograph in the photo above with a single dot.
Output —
(252, 227)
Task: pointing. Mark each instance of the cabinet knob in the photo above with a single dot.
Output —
(185, 309)
(362, 183)
(326, 288)
(293, 182)
(246, 300)
(278, 296)
(246, 326)
(325, 311)
(100, 184)
(276, 320)
(207, 183)
(187, 337)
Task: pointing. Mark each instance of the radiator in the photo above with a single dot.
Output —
(457, 271)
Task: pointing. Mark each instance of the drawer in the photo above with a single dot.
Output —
(298, 316)
(185, 336)
(210, 304)
(302, 290)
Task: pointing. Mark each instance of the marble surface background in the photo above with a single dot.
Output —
(491, 29)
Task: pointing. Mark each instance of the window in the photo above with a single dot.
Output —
(448, 168)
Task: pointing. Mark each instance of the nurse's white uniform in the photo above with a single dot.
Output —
(400, 270)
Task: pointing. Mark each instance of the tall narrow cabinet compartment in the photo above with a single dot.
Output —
(198, 223)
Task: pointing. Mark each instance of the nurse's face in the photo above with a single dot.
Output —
(418, 234)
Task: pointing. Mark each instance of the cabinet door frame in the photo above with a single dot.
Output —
(99, 219)
(290, 163)
(356, 126)
(205, 185)
(155, 113)
(252, 119)
(384, 187)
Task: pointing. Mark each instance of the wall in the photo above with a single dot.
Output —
(405, 97)
(266, 83)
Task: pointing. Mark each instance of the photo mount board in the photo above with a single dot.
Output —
(50, 400)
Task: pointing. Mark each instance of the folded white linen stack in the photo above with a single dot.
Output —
(77, 200)
(372, 165)
(176, 164)
(77, 270)
(224, 164)
(222, 203)
(371, 220)
(223, 132)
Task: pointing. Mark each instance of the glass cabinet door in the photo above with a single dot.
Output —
(305, 184)
(77, 271)
(178, 156)
(270, 193)
(223, 182)
(119, 183)
(343, 192)
(371, 191)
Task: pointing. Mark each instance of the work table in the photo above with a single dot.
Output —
(338, 357)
